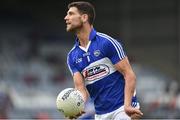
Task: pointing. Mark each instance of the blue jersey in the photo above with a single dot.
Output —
(96, 63)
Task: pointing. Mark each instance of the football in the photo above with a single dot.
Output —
(70, 102)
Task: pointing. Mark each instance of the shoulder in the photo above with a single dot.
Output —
(103, 38)
(103, 35)
(106, 39)
(71, 51)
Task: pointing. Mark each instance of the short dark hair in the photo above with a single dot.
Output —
(85, 8)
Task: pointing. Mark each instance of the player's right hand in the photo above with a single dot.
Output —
(134, 113)
(76, 116)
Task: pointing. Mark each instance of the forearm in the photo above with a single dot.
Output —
(83, 91)
(130, 82)
(80, 85)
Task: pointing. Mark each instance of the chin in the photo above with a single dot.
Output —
(70, 30)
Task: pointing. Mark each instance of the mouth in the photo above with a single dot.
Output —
(68, 23)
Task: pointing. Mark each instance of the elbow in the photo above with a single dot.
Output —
(130, 77)
(134, 77)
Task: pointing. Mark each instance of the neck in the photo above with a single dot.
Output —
(83, 35)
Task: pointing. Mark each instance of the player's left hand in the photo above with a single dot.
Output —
(134, 113)
(76, 116)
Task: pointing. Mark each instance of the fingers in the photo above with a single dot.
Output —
(79, 114)
(134, 113)
(135, 116)
(83, 112)
(130, 110)
(138, 112)
(71, 117)
(76, 116)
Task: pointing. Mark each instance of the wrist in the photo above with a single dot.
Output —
(127, 105)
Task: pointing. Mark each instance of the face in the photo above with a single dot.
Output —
(73, 19)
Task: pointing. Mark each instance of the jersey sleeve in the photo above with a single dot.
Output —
(71, 64)
(114, 50)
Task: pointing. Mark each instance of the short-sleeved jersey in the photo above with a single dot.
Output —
(96, 63)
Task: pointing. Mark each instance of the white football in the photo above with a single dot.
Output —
(70, 102)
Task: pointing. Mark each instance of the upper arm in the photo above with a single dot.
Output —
(124, 67)
(79, 82)
(77, 76)
(71, 64)
(115, 52)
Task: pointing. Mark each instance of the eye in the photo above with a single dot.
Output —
(70, 13)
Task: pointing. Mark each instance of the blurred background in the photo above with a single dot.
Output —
(34, 45)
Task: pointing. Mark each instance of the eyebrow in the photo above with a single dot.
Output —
(70, 12)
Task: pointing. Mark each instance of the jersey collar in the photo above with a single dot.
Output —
(91, 36)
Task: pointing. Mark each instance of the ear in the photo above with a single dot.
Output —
(84, 18)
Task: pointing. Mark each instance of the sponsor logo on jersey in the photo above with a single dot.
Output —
(96, 72)
(97, 53)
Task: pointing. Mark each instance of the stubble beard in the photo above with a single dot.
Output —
(74, 29)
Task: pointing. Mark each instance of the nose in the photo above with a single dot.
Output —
(65, 18)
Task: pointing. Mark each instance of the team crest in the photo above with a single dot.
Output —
(97, 53)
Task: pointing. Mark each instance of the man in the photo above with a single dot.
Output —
(100, 67)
